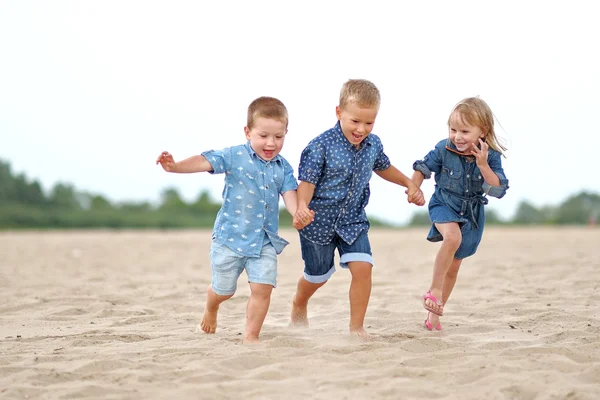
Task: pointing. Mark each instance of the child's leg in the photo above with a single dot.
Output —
(318, 268)
(262, 277)
(358, 259)
(360, 292)
(226, 266)
(449, 281)
(209, 318)
(258, 305)
(304, 291)
(452, 238)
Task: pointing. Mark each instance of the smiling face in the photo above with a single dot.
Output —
(266, 137)
(462, 134)
(356, 122)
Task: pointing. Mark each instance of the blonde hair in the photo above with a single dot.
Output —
(267, 107)
(476, 112)
(361, 92)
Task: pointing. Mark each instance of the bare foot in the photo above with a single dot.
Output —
(361, 333)
(299, 316)
(251, 340)
(209, 321)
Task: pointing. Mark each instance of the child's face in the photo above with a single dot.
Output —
(356, 122)
(266, 137)
(464, 135)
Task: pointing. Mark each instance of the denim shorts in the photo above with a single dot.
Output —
(318, 258)
(227, 266)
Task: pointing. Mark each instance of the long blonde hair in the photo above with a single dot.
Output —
(476, 112)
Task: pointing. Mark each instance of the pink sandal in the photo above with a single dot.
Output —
(429, 326)
(429, 296)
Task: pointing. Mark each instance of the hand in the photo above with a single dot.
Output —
(415, 195)
(166, 161)
(303, 217)
(481, 154)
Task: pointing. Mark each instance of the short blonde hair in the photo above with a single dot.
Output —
(476, 112)
(361, 92)
(266, 107)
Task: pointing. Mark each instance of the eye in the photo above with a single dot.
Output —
(279, 137)
(453, 130)
(263, 136)
(355, 121)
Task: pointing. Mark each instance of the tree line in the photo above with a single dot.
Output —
(25, 204)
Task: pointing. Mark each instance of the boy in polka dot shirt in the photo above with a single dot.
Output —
(334, 173)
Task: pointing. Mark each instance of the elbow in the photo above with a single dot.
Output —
(421, 167)
(496, 191)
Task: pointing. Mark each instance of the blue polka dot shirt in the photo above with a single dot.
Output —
(341, 174)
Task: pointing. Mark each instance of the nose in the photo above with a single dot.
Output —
(361, 128)
(270, 141)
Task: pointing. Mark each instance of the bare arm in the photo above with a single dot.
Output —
(417, 178)
(394, 175)
(290, 199)
(192, 164)
(305, 194)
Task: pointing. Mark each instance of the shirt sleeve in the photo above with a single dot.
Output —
(220, 160)
(312, 162)
(432, 161)
(289, 181)
(382, 162)
(495, 163)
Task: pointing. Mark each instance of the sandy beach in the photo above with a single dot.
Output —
(112, 315)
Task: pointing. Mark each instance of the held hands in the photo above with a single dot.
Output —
(481, 155)
(415, 195)
(166, 161)
(303, 217)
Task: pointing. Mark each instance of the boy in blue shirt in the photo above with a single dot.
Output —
(334, 173)
(245, 231)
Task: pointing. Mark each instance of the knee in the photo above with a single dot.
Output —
(453, 239)
(360, 270)
(261, 291)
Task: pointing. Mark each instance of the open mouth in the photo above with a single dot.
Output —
(356, 137)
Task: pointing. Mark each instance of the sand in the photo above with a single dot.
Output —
(112, 315)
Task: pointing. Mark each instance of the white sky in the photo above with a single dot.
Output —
(92, 91)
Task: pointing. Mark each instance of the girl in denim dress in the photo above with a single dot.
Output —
(467, 167)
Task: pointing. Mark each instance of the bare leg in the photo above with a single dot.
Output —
(449, 281)
(304, 292)
(452, 238)
(209, 318)
(256, 311)
(360, 292)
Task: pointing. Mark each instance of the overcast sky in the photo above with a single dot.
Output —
(92, 91)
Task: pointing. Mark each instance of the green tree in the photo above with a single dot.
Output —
(527, 214)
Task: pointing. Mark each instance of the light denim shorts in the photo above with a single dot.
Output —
(227, 266)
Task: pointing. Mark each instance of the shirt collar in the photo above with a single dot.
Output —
(253, 154)
(366, 142)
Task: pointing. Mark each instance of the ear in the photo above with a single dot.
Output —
(247, 132)
(338, 112)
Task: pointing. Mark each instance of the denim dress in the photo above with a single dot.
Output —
(460, 193)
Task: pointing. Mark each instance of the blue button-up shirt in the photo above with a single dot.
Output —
(341, 174)
(250, 211)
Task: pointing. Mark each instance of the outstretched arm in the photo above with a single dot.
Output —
(394, 175)
(192, 164)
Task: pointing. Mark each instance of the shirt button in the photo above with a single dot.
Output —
(468, 176)
(462, 213)
(267, 186)
(467, 190)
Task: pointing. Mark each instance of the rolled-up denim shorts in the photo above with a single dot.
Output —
(227, 266)
(318, 258)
